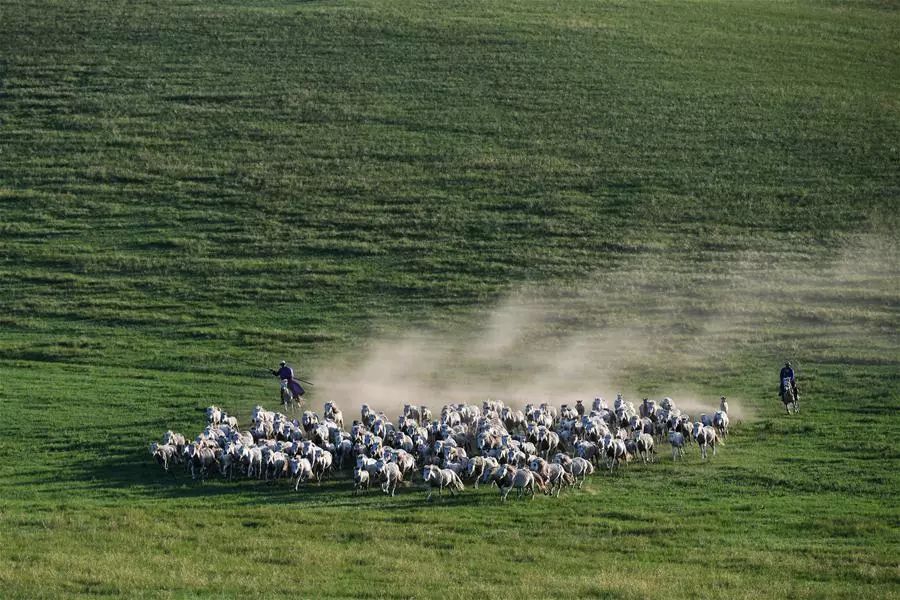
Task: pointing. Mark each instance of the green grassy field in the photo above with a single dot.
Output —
(683, 193)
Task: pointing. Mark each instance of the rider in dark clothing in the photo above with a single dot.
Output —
(287, 373)
(787, 373)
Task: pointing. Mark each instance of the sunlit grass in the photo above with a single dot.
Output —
(192, 191)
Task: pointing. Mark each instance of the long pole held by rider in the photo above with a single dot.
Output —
(276, 372)
(286, 374)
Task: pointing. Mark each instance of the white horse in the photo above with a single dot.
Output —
(706, 436)
(523, 480)
(440, 479)
(333, 413)
(288, 399)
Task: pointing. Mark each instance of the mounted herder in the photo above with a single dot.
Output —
(291, 390)
(788, 389)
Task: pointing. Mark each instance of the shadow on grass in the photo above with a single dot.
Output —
(134, 477)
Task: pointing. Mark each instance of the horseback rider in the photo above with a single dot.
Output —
(285, 373)
(787, 372)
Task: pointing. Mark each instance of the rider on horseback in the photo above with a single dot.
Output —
(285, 373)
(787, 372)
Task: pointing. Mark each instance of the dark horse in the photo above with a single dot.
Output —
(789, 396)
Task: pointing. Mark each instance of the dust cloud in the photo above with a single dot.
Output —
(660, 322)
(528, 349)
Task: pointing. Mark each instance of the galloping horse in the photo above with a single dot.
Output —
(290, 399)
(789, 396)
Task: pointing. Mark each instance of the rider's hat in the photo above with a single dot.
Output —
(787, 363)
(283, 363)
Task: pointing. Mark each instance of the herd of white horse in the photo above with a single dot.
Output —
(542, 447)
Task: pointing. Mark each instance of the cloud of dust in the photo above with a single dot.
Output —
(525, 350)
(562, 345)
